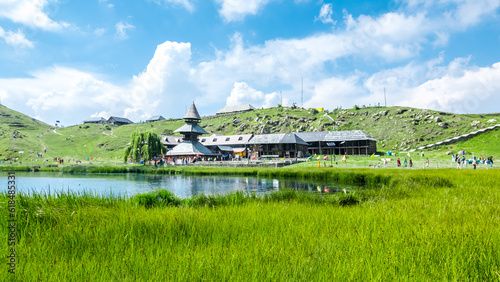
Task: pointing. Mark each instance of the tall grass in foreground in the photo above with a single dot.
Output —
(414, 226)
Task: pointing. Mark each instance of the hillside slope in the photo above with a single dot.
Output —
(395, 128)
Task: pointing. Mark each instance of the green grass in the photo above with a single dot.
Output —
(413, 225)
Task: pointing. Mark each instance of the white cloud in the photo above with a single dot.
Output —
(242, 93)
(164, 83)
(336, 91)
(183, 3)
(73, 95)
(455, 14)
(99, 31)
(30, 13)
(237, 10)
(462, 89)
(121, 30)
(16, 39)
(325, 14)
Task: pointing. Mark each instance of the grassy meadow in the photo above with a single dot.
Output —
(405, 225)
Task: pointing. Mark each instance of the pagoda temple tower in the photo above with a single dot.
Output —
(190, 145)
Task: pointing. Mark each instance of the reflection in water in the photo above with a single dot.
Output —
(131, 184)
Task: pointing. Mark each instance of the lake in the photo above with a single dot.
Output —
(131, 184)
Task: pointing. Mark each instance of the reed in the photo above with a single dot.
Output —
(418, 225)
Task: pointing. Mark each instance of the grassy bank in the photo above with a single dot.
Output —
(418, 225)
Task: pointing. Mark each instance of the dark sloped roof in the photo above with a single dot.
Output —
(189, 148)
(348, 135)
(221, 140)
(225, 148)
(235, 108)
(95, 119)
(312, 136)
(120, 119)
(155, 118)
(282, 138)
(171, 140)
(191, 127)
(192, 113)
(333, 136)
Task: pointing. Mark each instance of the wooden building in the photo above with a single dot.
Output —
(352, 142)
(155, 118)
(97, 120)
(284, 145)
(234, 109)
(190, 146)
(227, 144)
(118, 121)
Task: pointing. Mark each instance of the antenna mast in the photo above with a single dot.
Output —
(385, 98)
(302, 93)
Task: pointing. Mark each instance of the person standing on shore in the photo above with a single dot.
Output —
(411, 163)
(427, 162)
(474, 162)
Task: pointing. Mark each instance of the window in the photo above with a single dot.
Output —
(241, 138)
(227, 139)
(215, 140)
(203, 140)
(166, 139)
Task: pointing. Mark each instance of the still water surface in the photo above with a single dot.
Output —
(132, 184)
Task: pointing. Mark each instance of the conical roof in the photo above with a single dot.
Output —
(192, 113)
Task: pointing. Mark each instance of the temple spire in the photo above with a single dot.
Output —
(192, 113)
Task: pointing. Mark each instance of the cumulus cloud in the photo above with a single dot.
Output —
(242, 93)
(336, 91)
(164, 83)
(16, 39)
(325, 14)
(456, 87)
(470, 90)
(237, 10)
(121, 30)
(31, 13)
(71, 95)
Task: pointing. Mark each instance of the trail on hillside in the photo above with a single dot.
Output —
(109, 134)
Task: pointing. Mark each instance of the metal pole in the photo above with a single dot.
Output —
(385, 98)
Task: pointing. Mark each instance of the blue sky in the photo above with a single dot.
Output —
(69, 60)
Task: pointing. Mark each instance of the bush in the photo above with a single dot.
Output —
(348, 199)
(157, 198)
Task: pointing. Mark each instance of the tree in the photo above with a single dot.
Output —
(143, 145)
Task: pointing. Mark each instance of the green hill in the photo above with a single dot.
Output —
(395, 128)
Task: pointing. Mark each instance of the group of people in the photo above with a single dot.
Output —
(461, 161)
